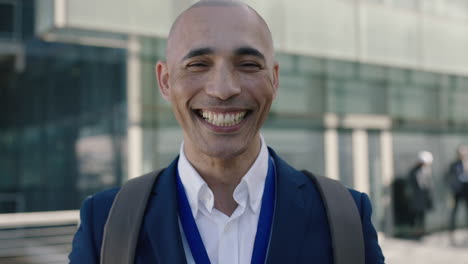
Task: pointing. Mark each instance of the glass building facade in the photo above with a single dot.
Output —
(62, 121)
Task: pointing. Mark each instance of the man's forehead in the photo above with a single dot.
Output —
(208, 23)
(209, 16)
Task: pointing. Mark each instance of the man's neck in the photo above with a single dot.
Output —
(223, 175)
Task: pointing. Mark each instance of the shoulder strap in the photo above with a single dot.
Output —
(125, 216)
(344, 220)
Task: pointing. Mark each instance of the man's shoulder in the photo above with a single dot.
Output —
(290, 170)
(97, 206)
(361, 199)
(105, 197)
(93, 215)
(101, 202)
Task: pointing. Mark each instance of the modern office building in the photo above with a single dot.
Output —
(364, 86)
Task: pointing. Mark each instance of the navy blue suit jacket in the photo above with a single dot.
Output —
(300, 232)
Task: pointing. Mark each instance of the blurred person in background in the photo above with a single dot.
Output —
(458, 181)
(420, 191)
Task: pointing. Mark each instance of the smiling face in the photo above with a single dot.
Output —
(220, 78)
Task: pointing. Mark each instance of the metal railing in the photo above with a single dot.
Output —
(37, 238)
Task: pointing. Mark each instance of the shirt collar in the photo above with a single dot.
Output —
(254, 180)
(249, 191)
(195, 187)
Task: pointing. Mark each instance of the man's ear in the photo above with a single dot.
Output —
(275, 79)
(162, 74)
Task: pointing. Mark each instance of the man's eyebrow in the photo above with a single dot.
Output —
(238, 52)
(249, 51)
(198, 52)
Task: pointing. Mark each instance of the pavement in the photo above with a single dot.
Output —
(436, 248)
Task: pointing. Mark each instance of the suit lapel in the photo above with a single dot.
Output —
(161, 219)
(290, 217)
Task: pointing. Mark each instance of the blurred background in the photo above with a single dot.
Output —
(365, 85)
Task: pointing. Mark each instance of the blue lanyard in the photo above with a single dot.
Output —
(263, 229)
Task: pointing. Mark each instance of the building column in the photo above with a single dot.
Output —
(386, 143)
(331, 147)
(135, 132)
(332, 164)
(360, 160)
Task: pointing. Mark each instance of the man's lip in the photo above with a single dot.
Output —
(222, 129)
(221, 109)
(222, 120)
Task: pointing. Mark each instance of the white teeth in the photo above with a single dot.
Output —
(220, 119)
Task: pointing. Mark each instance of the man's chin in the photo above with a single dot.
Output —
(225, 152)
(222, 146)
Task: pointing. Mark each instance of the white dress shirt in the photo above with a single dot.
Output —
(227, 240)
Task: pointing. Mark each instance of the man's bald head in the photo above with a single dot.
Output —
(219, 63)
(215, 3)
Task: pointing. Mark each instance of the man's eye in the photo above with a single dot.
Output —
(196, 66)
(250, 65)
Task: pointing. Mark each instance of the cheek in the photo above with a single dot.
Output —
(260, 86)
(185, 87)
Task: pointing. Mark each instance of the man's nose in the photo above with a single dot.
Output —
(223, 83)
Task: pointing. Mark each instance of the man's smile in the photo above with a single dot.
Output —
(222, 119)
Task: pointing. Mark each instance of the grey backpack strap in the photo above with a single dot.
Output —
(125, 216)
(344, 220)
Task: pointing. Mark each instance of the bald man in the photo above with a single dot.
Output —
(227, 197)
